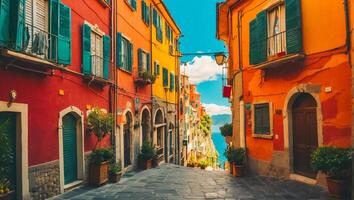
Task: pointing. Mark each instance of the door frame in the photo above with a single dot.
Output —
(21, 111)
(141, 125)
(78, 114)
(131, 140)
(288, 121)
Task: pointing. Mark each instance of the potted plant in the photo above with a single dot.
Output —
(99, 124)
(115, 172)
(146, 155)
(145, 77)
(336, 163)
(6, 160)
(239, 162)
(229, 154)
(203, 164)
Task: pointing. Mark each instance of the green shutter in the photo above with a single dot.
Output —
(4, 22)
(53, 28)
(293, 26)
(17, 24)
(130, 57)
(119, 50)
(253, 42)
(64, 37)
(172, 82)
(86, 49)
(69, 149)
(154, 16)
(106, 55)
(147, 14)
(133, 4)
(143, 10)
(148, 64)
(155, 68)
(140, 59)
(262, 36)
(165, 77)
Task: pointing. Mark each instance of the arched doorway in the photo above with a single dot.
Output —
(159, 132)
(305, 135)
(127, 131)
(70, 149)
(145, 125)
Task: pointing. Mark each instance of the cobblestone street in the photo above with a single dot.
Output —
(176, 182)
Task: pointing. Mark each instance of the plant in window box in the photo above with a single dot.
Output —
(6, 161)
(147, 77)
(239, 162)
(115, 172)
(99, 124)
(336, 163)
(147, 153)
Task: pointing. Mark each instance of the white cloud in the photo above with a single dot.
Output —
(213, 109)
(201, 69)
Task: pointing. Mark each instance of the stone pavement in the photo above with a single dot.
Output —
(177, 182)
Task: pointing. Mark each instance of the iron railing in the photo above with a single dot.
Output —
(40, 43)
(276, 43)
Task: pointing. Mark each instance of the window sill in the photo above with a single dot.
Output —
(98, 80)
(27, 58)
(104, 3)
(129, 5)
(126, 71)
(279, 61)
(263, 136)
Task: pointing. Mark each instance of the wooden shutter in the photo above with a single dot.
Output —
(119, 50)
(165, 77)
(143, 10)
(147, 14)
(262, 30)
(64, 37)
(253, 51)
(172, 82)
(130, 57)
(106, 55)
(140, 59)
(53, 28)
(69, 149)
(293, 26)
(148, 64)
(261, 119)
(4, 22)
(86, 49)
(17, 25)
(154, 16)
(133, 4)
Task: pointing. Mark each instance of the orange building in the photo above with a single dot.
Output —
(291, 80)
(133, 63)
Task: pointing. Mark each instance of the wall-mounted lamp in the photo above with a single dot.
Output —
(220, 58)
(12, 97)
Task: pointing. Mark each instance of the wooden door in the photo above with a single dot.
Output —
(69, 149)
(8, 121)
(127, 138)
(305, 139)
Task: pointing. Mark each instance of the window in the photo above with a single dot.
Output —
(156, 68)
(262, 119)
(132, 3)
(96, 54)
(124, 53)
(145, 9)
(276, 30)
(165, 77)
(144, 61)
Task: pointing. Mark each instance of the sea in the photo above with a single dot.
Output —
(220, 145)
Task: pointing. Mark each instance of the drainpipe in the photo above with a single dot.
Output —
(348, 31)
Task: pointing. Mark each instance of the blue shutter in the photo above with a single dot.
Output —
(64, 37)
(130, 57)
(69, 149)
(154, 16)
(54, 28)
(172, 82)
(293, 26)
(148, 64)
(262, 36)
(133, 4)
(106, 55)
(143, 10)
(4, 22)
(165, 77)
(86, 49)
(119, 50)
(140, 59)
(17, 25)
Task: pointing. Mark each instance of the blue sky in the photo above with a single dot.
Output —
(197, 20)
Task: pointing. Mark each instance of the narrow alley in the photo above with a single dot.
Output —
(177, 182)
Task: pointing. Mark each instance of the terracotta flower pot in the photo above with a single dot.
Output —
(115, 178)
(238, 170)
(8, 196)
(149, 164)
(338, 188)
(98, 174)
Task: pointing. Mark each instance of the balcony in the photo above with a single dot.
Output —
(145, 78)
(277, 54)
(39, 47)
